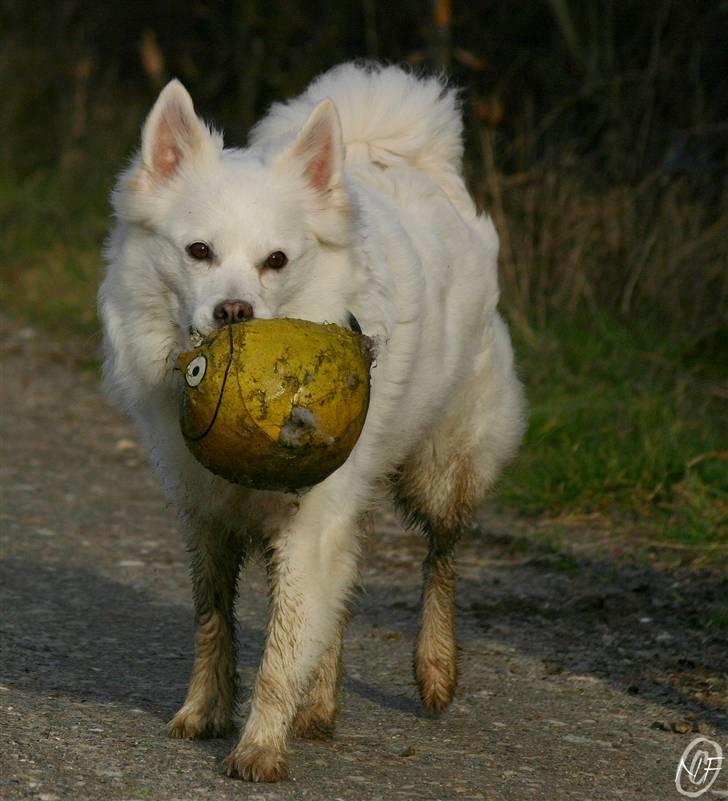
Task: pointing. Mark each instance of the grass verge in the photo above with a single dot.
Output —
(627, 418)
(53, 228)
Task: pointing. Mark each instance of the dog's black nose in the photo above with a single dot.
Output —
(228, 312)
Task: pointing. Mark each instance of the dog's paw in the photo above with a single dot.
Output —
(312, 724)
(193, 723)
(436, 682)
(257, 763)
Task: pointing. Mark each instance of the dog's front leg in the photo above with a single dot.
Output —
(207, 710)
(316, 717)
(313, 569)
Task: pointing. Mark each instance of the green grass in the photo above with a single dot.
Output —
(719, 618)
(627, 419)
(53, 232)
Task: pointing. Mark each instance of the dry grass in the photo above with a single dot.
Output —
(570, 246)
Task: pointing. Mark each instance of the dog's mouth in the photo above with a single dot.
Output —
(353, 323)
(195, 337)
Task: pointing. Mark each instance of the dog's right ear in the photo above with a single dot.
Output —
(172, 132)
(172, 135)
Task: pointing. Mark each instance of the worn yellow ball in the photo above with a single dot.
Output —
(275, 404)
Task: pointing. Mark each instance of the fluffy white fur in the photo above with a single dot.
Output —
(359, 182)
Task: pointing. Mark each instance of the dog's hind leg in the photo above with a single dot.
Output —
(435, 660)
(438, 499)
(208, 708)
(441, 484)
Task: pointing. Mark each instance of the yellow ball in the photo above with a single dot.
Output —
(275, 404)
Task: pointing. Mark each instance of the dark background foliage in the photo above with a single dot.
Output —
(631, 86)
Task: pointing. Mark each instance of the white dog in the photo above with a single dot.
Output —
(349, 205)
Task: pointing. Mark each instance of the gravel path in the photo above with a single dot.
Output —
(584, 673)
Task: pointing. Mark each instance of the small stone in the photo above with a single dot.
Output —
(659, 724)
(577, 738)
(681, 726)
(583, 678)
(408, 752)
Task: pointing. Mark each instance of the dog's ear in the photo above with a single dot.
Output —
(172, 132)
(317, 155)
(318, 150)
(171, 135)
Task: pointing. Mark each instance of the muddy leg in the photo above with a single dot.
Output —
(208, 708)
(313, 571)
(316, 718)
(435, 661)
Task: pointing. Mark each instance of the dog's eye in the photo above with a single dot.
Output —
(276, 260)
(199, 251)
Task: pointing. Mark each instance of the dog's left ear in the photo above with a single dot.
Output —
(317, 155)
(318, 148)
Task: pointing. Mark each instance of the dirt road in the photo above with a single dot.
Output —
(577, 668)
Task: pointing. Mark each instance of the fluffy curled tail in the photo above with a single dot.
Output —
(388, 116)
